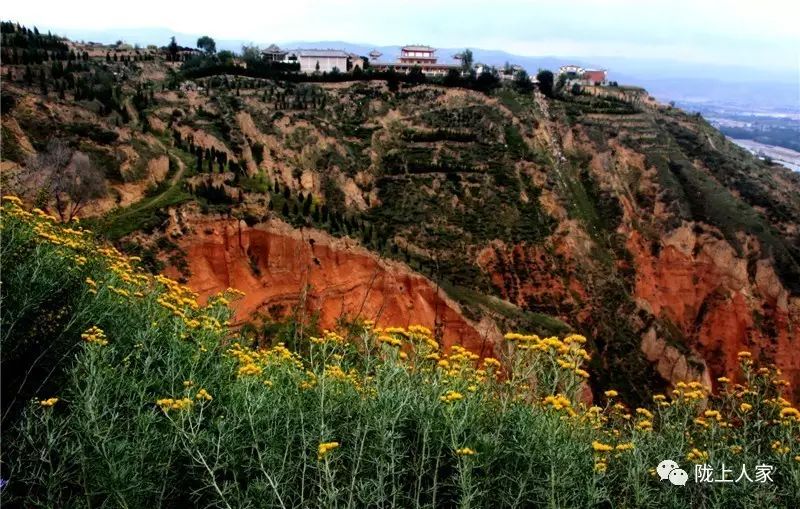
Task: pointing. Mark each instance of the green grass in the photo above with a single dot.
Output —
(521, 319)
(143, 215)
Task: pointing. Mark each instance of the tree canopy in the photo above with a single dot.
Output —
(466, 60)
(207, 44)
(545, 79)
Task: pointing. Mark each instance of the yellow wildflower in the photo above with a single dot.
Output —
(601, 447)
(790, 413)
(451, 396)
(324, 448)
(95, 335)
(48, 402)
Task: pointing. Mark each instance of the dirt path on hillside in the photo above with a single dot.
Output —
(149, 202)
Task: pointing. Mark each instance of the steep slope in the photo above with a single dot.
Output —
(284, 271)
(599, 211)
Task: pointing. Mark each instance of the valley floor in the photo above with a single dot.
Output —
(786, 157)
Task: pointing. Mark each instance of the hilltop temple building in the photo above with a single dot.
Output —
(415, 55)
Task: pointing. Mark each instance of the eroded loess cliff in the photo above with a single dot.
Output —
(721, 302)
(281, 269)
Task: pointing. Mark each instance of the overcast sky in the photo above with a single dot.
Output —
(762, 34)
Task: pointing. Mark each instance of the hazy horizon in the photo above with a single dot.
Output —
(728, 33)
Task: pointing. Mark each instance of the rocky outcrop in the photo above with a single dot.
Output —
(673, 365)
(533, 277)
(720, 301)
(280, 269)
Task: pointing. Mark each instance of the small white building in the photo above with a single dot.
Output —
(319, 60)
(571, 70)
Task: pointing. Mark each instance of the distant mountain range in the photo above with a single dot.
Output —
(737, 88)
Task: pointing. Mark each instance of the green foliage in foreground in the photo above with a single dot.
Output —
(134, 396)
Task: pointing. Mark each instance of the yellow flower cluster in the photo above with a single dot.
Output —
(697, 456)
(203, 394)
(349, 377)
(95, 335)
(790, 413)
(451, 396)
(49, 402)
(391, 340)
(745, 358)
(310, 382)
(688, 392)
(466, 451)
(414, 335)
(779, 448)
(601, 447)
(224, 298)
(324, 448)
(252, 363)
(168, 404)
(491, 363)
(558, 402)
(568, 355)
(328, 337)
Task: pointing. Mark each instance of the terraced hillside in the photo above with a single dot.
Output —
(601, 212)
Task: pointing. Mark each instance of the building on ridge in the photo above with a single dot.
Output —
(416, 56)
(273, 54)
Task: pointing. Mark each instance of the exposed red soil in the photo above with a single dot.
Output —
(276, 266)
(700, 284)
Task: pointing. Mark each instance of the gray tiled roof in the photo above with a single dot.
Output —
(417, 47)
(321, 53)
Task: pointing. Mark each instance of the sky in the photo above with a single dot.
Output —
(761, 34)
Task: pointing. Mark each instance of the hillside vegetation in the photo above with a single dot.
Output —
(121, 390)
(579, 212)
